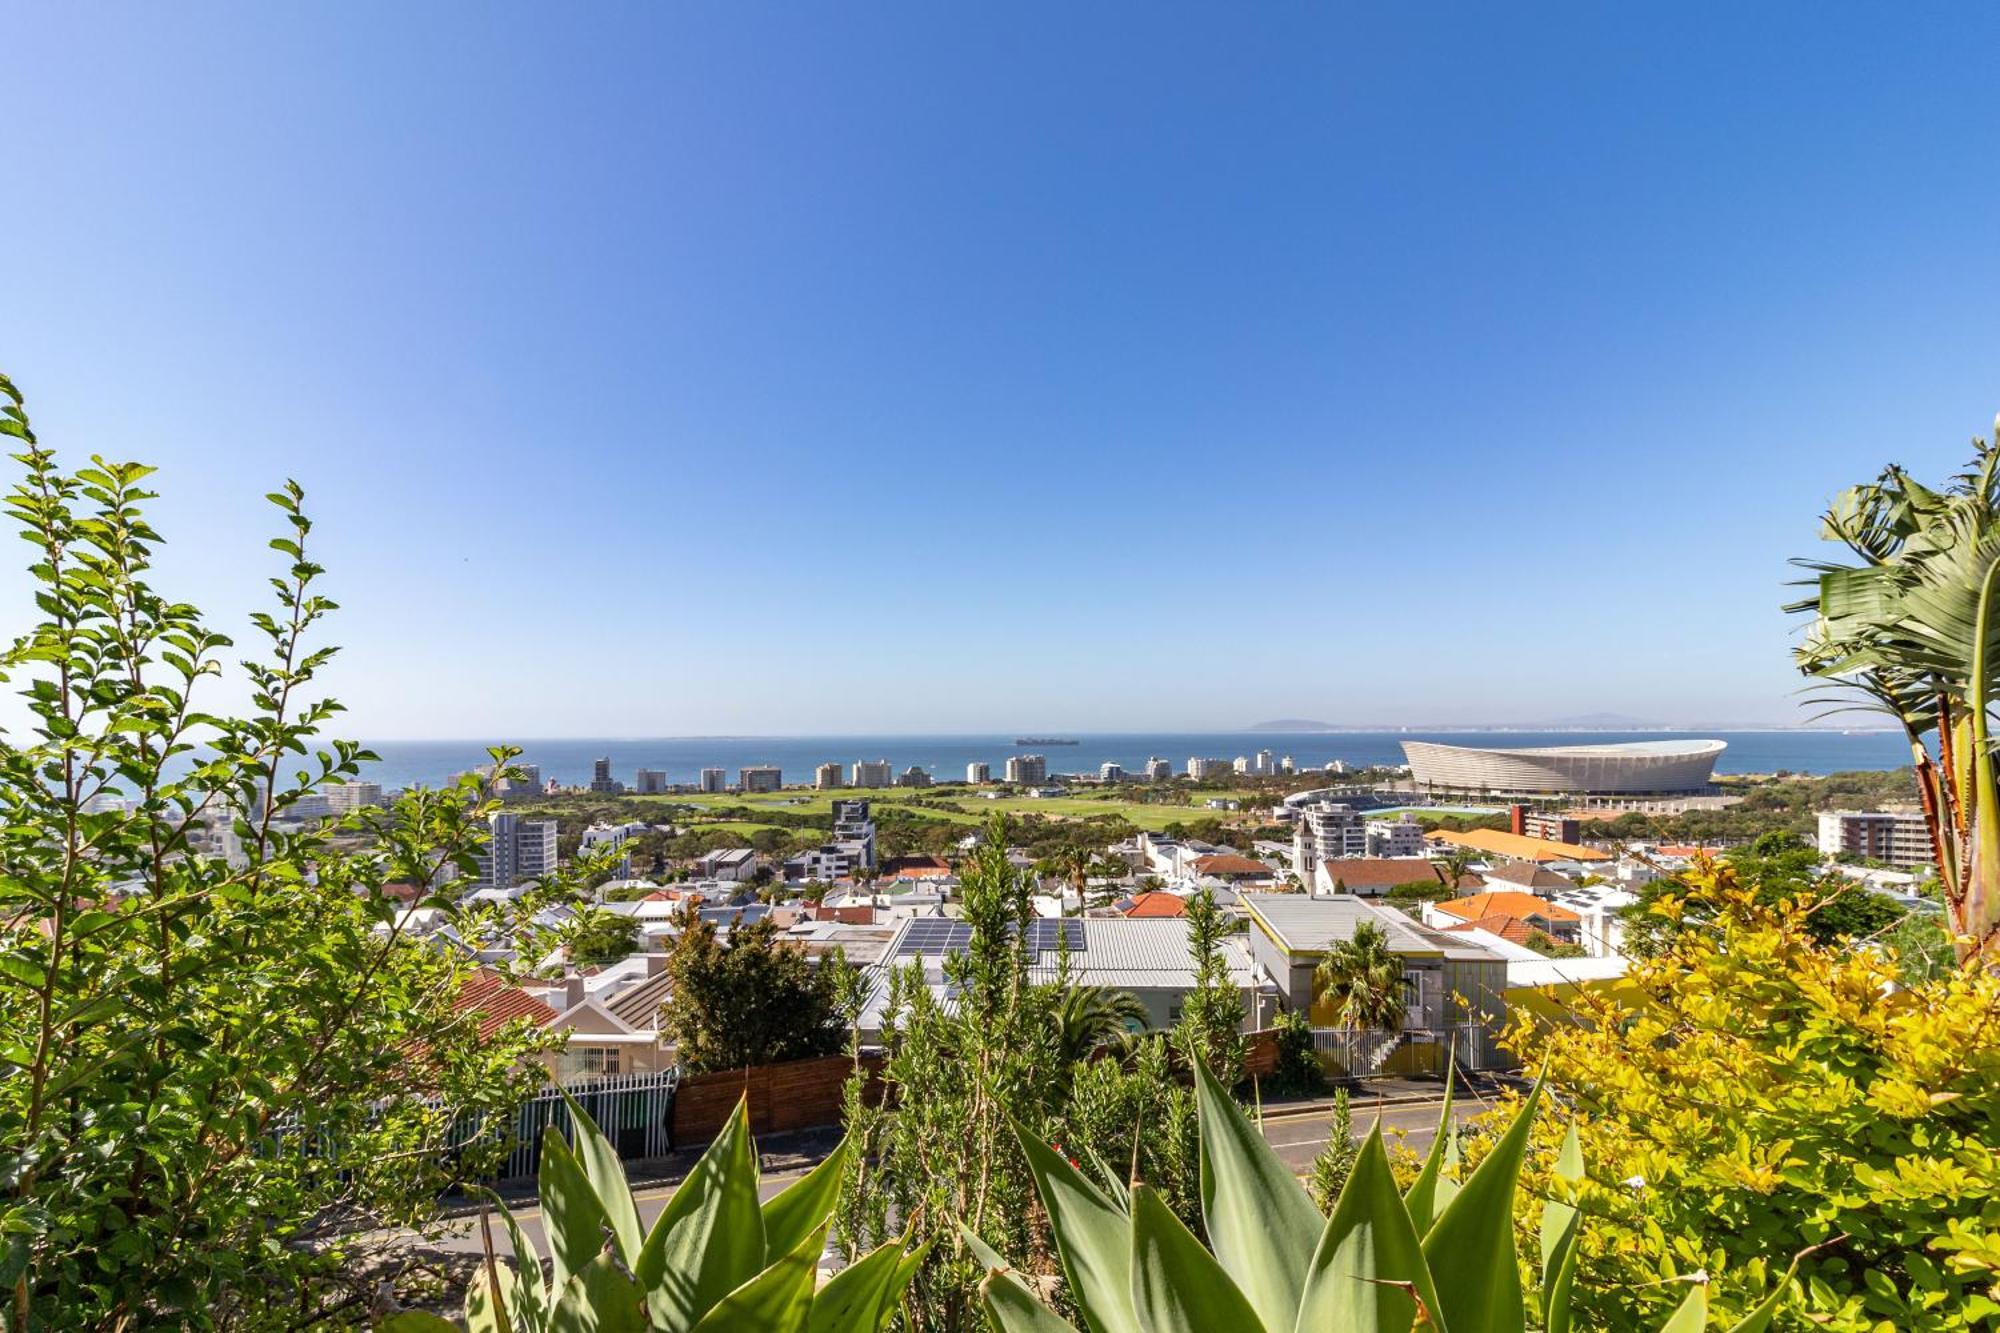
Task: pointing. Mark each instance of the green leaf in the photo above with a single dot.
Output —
(482, 1313)
(1014, 1309)
(1091, 1238)
(803, 1206)
(987, 1256)
(1370, 1246)
(529, 1289)
(1558, 1235)
(1470, 1247)
(1177, 1286)
(1260, 1220)
(1692, 1314)
(572, 1216)
(858, 1298)
(606, 1174)
(1760, 1318)
(1422, 1198)
(710, 1238)
(415, 1321)
(777, 1300)
(599, 1299)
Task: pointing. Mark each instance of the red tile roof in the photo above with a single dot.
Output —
(1524, 906)
(499, 1002)
(1227, 863)
(1510, 928)
(1386, 872)
(1156, 904)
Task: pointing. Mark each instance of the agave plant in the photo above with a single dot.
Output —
(1442, 1254)
(715, 1259)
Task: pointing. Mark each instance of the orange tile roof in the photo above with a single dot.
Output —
(1156, 904)
(1518, 846)
(1383, 872)
(1686, 850)
(498, 1002)
(1509, 928)
(1228, 863)
(1523, 906)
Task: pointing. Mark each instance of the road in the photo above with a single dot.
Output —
(1298, 1140)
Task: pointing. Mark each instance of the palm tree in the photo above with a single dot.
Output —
(1363, 980)
(1913, 630)
(1075, 866)
(1089, 1016)
(1455, 864)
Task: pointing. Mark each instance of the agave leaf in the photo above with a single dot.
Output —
(606, 1174)
(482, 1313)
(1114, 1184)
(1558, 1234)
(1091, 1238)
(415, 1321)
(1370, 1258)
(1014, 1309)
(1423, 1194)
(1470, 1247)
(858, 1298)
(572, 1216)
(599, 1299)
(804, 1205)
(1177, 1286)
(710, 1239)
(777, 1300)
(1260, 1220)
(1691, 1316)
(988, 1257)
(529, 1289)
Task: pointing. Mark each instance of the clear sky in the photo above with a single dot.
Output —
(673, 369)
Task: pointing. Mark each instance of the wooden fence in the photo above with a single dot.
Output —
(799, 1094)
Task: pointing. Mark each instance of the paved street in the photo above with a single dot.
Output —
(1298, 1140)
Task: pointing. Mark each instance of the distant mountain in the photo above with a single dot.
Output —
(1293, 724)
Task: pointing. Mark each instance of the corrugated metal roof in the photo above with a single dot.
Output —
(1308, 925)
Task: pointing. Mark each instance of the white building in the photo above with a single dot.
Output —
(913, 777)
(1393, 837)
(1158, 769)
(713, 780)
(977, 773)
(1109, 772)
(517, 850)
(600, 837)
(873, 773)
(1263, 765)
(1199, 768)
(760, 778)
(854, 830)
(730, 864)
(343, 797)
(1327, 831)
(1243, 765)
(826, 776)
(1028, 769)
(1899, 837)
(1286, 766)
(649, 781)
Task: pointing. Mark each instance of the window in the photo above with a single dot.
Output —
(595, 1061)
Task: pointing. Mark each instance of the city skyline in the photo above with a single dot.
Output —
(747, 371)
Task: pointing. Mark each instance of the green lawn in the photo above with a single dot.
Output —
(976, 809)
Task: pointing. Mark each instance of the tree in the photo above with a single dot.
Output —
(1363, 980)
(223, 1044)
(1913, 630)
(1778, 866)
(602, 937)
(1088, 1017)
(751, 999)
(1766, 1093)
(1211, 1024)
(1335, 1162)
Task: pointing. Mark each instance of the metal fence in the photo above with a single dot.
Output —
(635, 1111)
(1367, 1052)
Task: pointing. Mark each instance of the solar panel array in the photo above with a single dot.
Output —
(931, 937)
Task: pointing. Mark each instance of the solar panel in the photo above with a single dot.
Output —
(1046, 935)
(934, 936)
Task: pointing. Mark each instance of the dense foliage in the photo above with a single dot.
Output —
(1777, 867)
(748, 999)
(1769, 1093)
(222, 1046)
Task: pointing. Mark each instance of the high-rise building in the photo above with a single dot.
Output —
(348, 796)
(713, 780)
(1110, 772)
(1263, 766)
(760, 777)
(601, 780)
(826, 776)
(517, 850)
(1287, 767)
(650, 781)
(873, 773)
(1243, 765)
(1325, 832)
(1158, 769)
(977, 773)
(1029, 770)
(1199, 768)
(854, 831)
(1900, 837)
(914, 777)
(1394, 837)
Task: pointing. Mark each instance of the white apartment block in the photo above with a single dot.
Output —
(827, 777)
(649, 781)
(1199, 768)
(1242, 766)
(760, 777)
(1028, 769)
(1263, 765)
(713, 780)
(730, 864)
(517, 850)
(1899, 837)
(873, 773)
(1394, 837)
(344, 797)
(1325, 832)
(853, 828)
(977, 773)
(1109, 772)
(1158, 769)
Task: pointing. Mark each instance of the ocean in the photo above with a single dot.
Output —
(569, 761)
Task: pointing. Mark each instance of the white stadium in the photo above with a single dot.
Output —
(1631, 768)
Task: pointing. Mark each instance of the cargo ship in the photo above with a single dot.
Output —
(1043, 740)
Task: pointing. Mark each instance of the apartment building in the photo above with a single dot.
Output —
(1028, 770)
(1899, 837)
(852, 825)
(517, 850)
(977, 773)
(1108, 772)
(913, 777)
(1394, 837)
(1158, 769)
(713, 780)
(601, 781)
(873, 773)
(343, 797)
(760, 778)
(1199, 768)
(826, 777)
(1326, 831)
(649, 781)
(1553, 827)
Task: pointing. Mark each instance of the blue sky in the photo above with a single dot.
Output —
(671, 369)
